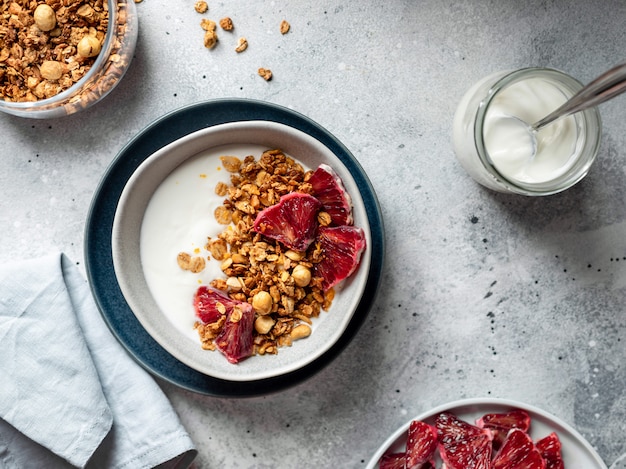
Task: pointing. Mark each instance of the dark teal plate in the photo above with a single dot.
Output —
(99, 261)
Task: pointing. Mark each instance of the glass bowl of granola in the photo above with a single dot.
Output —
(60, 57)
(243, 249)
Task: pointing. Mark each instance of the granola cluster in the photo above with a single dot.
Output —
(211, 38)
(276, 281)
(47, 47)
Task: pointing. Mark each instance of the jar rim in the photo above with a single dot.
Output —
(588, 118)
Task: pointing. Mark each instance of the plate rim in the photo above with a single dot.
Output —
(484, 401)
(97, 248)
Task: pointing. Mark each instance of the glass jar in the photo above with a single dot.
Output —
(105, 73)
(494, 143)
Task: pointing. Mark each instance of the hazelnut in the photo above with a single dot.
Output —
(264, 324)
(262, 302)
(300, 332)
(51, 70)
(89, 46)
(301, 275)
(45, 19)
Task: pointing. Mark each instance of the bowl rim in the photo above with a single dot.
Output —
(125, 245)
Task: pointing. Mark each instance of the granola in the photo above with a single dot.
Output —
(40, 45)
(276, 281)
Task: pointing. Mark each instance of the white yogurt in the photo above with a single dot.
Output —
(493, 143)
(509, 141)
(180, 217)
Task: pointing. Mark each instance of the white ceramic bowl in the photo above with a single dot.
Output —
(170, 320)
(577, 453)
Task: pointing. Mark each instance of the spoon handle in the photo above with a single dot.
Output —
(603, 88)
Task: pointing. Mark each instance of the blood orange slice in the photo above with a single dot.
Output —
(393, 461)
(550, 448)
(421, 444)
(341, 247)
(292, 221)
(328, 188)
(461, 444)
(518, 452)
(235, 338)
(211, 304)
(517, 418)
(501, 423)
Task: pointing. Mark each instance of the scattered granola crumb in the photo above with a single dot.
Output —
(194, 264)
(210, 39)
(226, 24)
(138, 1)
(284, 27)
(265, 73)
(201, 6)
(242, 45)
(207, 25)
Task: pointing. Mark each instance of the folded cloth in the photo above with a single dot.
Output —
(70, 395)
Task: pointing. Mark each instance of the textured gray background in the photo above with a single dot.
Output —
(483, 294)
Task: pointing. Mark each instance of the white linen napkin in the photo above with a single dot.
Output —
(70, 395)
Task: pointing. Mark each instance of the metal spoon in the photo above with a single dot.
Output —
(608, 85)
(603, 88)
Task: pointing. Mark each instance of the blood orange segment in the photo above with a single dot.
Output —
(392, 461)
(518, 452)
(500, 424)
(341, 247)
(517, 418)
(292, 221)
(235, 340)
(463, 445)
(550, 448)
(328, 188)
(421, 443)
(211, 304)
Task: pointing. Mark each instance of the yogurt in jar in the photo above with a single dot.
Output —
(494, 143)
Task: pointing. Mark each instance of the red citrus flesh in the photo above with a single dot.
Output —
(462, 445)
(328, 188)
(392, 461)
(518, 452)
(421, 443)
(342, 247)
(235, 339)
(207, 303)
(292, 221)
(505, 420)
(550, 448)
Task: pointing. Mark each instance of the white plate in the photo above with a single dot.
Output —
(577, 452)
(162, 325)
